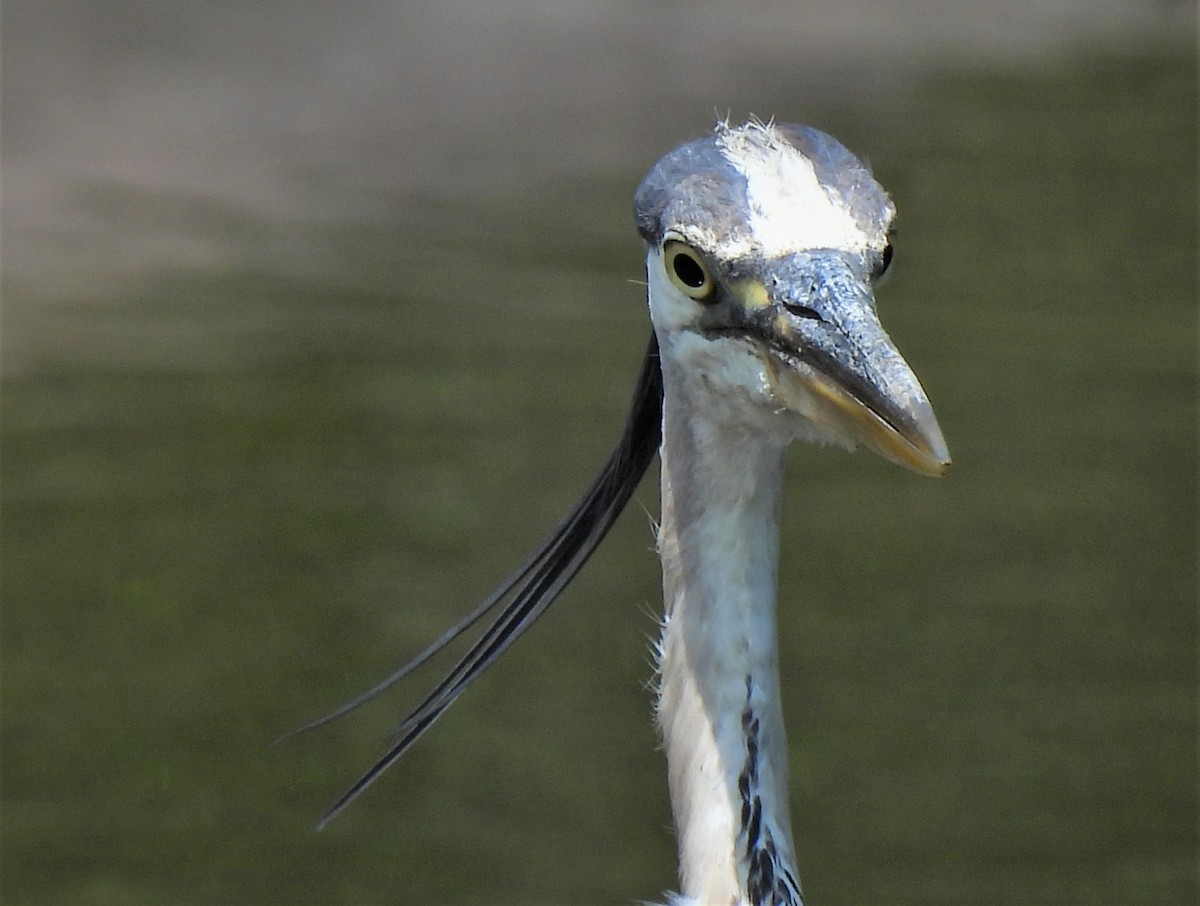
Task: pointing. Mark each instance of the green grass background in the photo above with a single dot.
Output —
(262, 488)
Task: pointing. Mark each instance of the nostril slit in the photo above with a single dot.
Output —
(802, 311)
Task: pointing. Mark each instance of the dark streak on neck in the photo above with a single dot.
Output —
(768, 881)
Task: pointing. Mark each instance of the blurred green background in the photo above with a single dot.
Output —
(237, 493)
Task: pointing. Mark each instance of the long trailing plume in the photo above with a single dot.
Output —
(533, 587)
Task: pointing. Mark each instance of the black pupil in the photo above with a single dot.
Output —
(688, 270)
(887, 258)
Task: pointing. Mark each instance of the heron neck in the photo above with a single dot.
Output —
(719, 704)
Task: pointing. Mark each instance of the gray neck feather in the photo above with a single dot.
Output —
(719, 709)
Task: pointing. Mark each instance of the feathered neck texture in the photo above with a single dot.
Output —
(718, 707)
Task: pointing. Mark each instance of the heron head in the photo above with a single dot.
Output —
(765, 242)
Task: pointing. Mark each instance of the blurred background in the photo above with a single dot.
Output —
(317, 317)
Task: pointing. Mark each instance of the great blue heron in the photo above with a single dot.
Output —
(763, 242)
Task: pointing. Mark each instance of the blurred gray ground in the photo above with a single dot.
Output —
(282, 110)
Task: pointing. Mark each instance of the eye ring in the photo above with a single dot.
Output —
(686, 270)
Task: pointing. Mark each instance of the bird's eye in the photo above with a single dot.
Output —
(686, 270)
(884, 262)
